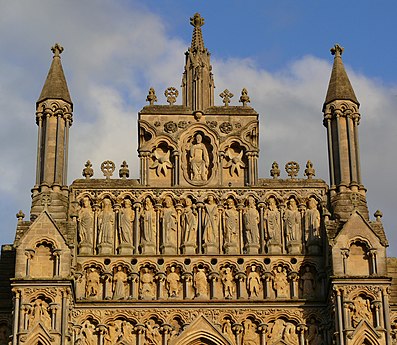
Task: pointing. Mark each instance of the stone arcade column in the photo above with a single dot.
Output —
(17, 301)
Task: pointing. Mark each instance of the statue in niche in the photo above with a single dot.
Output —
(307, 283)
(127, 217)
(86, 222)
(92, 282)
(211, 220)
(272, 217)
(189, 223)
(312, 220)
(313, 334)
(147, 286)
(280, 282)
(250, 337)
(40, 314)
(199, 160)
(148, 225)
(162, 162)
(113, 333)
(253, 282)
(277, 331)
(152, 334)
(106, 223)
(227, 329)
(235, 163)
(251, 222)
(127, 333)
(290, 335)
(292, 223)
(169, 221)
(231, 224)
(361, 310)
(200, 283)
(173, 283)
(120, 284)
(3, 334)
(228, 283)
(87, 336)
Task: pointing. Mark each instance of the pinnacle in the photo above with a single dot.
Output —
(197, 39)
(339, 87)
(55, 86)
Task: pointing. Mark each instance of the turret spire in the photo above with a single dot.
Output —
(339, 87)
(197, 82)
(55, 86)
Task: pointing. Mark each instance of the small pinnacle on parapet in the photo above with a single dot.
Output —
(57, 49)
(337, 50)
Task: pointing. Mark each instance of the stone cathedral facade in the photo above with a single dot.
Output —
(199, 249)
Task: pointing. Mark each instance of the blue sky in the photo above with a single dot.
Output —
(278, 50)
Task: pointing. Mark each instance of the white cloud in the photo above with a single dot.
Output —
(110, 65)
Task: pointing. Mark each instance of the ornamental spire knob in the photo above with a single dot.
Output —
(197, 20)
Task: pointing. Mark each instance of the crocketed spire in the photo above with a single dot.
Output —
(55, 86)
(339, 87)
(197, 39)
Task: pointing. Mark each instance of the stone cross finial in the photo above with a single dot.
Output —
(124, 172)
(107, 167)
(171, 93)
(57, 49)
(292, 169)
(244, 98)
(226, 95)
(309, 171)
(197, 20)
(151, 97)
(337, 50)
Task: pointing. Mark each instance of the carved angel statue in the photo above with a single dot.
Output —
(162, 162)
(235, 163)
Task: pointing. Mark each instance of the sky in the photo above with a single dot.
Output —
(116, 50)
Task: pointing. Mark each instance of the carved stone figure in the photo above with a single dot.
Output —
(169, 223)
(113, 333)
(127, 333)
(312, 221)
(41, 314)
(231, 227)
(313, 334)
(308, 283)
(106, 227)
(86, 225)
(147, 287)
(227, 329)
(199, 160)
(211, 221)
(120, 284)
(272, 217)
(292, 218)
(92, 283)
(290, 335)
(127, 217)
(173, 283)
(189, 224)
(251, 222)
(228, 283)
(200, 283)
(148, 228)
(361, 310)
(87, 336)
(280, 282)
(253, 282)
(250, 337)
(152, 334)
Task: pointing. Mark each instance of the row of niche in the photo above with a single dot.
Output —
(251, 330)
(189, 225)
(200, 282)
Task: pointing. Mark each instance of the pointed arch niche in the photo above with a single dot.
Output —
(358, 260)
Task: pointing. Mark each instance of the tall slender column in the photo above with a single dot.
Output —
(261, 206)
(66, 158)
(39, 119)
(17, 297)
(301, 329)
(330, 150)
(137, 206)
(44, 177)
(65, 307)
(200, 207)
(175, 154)
(386, 313)
(339, 311)
(356, 119)
(262, 329)
(221, 158)
(58, 148)
(352, 155)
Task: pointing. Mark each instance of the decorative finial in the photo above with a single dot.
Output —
(57, 49)
(244, 98)
(88, 172)
(275, 170)
(309, 171)
(292, 169)
(337, 50)
(197, 20)
(124, 172)
(107, 167)
(151, 97)
(378, 215)
(20, 215)
(171, 93)
(226, 95)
